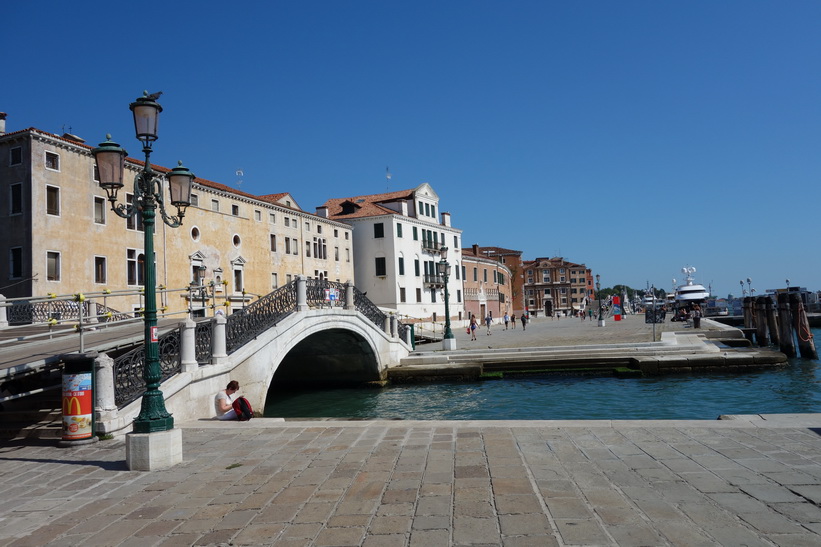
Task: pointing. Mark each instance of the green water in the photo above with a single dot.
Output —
(792, 389)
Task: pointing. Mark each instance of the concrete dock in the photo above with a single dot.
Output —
(753, 480)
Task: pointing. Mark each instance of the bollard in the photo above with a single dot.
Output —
(188, 346)
(786, 339)
(219, 345)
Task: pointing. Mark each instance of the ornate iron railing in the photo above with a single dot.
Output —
(104, 311)
(203, 334)
(402, 331)
(24, 313)
(318, 298)
(129, 384)
(368, 309)
(245, 325)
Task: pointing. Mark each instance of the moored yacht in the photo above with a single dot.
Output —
(690, 293)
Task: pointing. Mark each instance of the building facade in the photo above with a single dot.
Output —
(554, 285)
(58, 235)
(488, 281)
(398, 240)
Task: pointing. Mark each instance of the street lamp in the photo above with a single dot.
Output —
(148, 195)
(443, 268)
(598, 293)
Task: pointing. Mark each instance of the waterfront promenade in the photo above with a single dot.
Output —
(751, 480)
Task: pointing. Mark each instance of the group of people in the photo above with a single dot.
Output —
(685, 314)
(509, 320)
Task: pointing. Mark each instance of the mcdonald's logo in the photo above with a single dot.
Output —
(69, 403)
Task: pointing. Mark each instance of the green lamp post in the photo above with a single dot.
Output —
(148, 198)
(443, 267)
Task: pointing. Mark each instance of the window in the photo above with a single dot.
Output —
(16, 199)
(308, 249)
(336, 254)
(476, 274)
(415, 234)
(16, 156)
(272, 218)
(381, 269)
(52, 200)
(235, 210)
(273, 243)
(134, 222)
(236, 240)
(215, 205)
(53, 266)
(421, 211)
(274, 281)
(416, 267)
(52, 161)
(195, 200)
(135, 267)
(195, 233)
(287, 245)
(347, 254)
(99, 269)
(495, 279)
(456, 269)
(427, 209)
(378, 230)
(398, 229)
(402, 294)
(346, 235)
(16, 262)
(336, 232)
(258, 215)
(433, 214)
(295, 246)
(287, 222)
(99, 210)
(319, 228)
(418, 295)
(464, 273)
(307, 226)
(238, 279)
(458, 295)
(455, 242)
(401, 266)
(484, 275)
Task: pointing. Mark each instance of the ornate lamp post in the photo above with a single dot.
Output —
(598, 293)
(443, 268)
(148, 197)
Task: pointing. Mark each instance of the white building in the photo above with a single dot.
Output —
(397, 241)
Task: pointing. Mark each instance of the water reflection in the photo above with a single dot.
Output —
(793, 389)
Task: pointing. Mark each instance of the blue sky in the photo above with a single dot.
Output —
(635, 137)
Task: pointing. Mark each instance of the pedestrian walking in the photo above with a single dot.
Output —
(513, 321)
(488, 321)
(473, 326)
(524, 321)
(507, 320)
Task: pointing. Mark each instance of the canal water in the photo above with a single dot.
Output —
(792, 389)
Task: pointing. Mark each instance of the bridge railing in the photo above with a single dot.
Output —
(220, 336)
(246, 324)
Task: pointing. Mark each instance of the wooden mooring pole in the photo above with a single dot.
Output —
(772, 321)
(761, 321)
(806, 345)
(786, 338)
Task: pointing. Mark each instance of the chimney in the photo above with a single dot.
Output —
(322, 211)
(445, 219)
(475, 249)
(2, 123)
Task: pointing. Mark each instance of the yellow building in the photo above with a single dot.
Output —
(59, 235)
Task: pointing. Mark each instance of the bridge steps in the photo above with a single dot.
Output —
(39, 418)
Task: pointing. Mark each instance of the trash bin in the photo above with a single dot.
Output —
(78, 397)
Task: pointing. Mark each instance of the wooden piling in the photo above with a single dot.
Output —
(786, 338)
(761, 337)
(772, 321)
(806, 345)
(749, 321)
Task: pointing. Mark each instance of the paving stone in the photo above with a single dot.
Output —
(340, 537)
(473, 531)
(586, 532)
(520, 525)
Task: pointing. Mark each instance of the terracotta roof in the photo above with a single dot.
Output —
(487, 252)
(367, 206)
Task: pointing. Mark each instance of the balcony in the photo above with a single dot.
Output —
(434, 281)
(431, 246)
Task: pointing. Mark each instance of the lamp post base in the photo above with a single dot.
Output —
(153, 451)
(601, 322)
(449, 344)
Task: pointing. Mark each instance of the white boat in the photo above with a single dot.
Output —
(690, 293)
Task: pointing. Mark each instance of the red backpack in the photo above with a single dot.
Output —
(243, 409)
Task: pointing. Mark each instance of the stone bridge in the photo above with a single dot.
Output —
(308, 332)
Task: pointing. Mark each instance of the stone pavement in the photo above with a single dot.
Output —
(744, 481)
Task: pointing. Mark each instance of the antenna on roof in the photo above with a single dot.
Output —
(387, 178)
(239, 174)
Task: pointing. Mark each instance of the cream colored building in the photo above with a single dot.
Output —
(59, 235)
